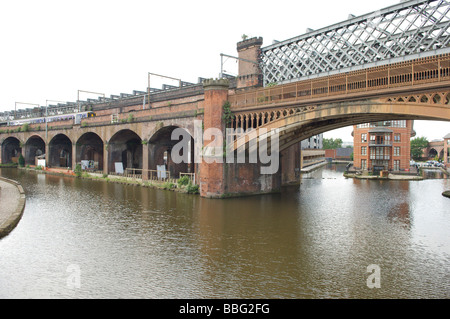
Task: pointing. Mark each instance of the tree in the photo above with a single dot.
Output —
(417, 146)
(331, 143)
(21, 160)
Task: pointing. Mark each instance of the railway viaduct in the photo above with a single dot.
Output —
(284, 93)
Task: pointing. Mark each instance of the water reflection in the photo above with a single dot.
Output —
(433, 173)
(314, 240)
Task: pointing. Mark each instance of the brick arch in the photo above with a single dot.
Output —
(53, 133)
(18, 136)
(125, 146)
(28, 135)
(111, 133)
(184, 123)
(11, 148)
(90, 146)
(315, 119)
(60, 151)
(160, 146)
(34, 146)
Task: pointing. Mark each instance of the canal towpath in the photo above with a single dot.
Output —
(12, 204)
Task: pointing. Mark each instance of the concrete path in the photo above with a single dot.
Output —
(12, 204)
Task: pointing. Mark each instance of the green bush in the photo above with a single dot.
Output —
(168, 185)
(85, 175)
(25, 127)
(192, 189)
(78, 171)
(21, 161)
(184, 180)
(8, 165)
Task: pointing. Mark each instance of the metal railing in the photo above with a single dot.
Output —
(380, 157)
(190, 175)
(380, 143)
(150, 174)
(153, 175)
(409, 73)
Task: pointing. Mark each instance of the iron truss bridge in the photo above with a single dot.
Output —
(402, 32)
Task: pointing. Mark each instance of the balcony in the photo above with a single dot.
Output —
(380, 143)
(380, 157)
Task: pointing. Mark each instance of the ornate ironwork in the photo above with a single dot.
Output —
(406, 31)
(405, 74)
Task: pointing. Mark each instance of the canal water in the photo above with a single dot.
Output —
(94, 239)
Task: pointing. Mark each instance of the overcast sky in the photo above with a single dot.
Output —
(52, 49)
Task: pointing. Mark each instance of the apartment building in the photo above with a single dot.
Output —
(383, 145)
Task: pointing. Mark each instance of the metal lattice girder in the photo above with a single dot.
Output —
(406, 31)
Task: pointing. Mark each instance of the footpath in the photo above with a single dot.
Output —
(12, 204)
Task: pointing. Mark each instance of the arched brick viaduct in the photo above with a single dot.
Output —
(138, 134)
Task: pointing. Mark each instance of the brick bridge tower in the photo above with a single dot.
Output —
(212, 166)
(218, 177)
(249, 54)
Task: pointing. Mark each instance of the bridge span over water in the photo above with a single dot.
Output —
(391, 64)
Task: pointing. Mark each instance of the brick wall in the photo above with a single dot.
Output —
(404, 144)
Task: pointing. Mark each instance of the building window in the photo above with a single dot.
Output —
(363, 150)
(363, 164)
(396, 165)
(379, 153)
(364, 138)
(397, 137)
(401, 123)
(396, 151)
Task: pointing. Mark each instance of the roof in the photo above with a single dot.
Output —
(447, 136)
(380, 130)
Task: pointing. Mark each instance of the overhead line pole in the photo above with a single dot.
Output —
(163, 76)
(15, 107)
(78, 96)
(233, 57)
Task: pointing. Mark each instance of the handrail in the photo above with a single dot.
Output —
(153, 174)
(408, 73)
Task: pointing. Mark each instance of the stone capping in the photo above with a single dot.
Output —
(249, 43)
(10, 223)
(216, 84)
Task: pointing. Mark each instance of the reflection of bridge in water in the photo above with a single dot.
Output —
(386, 65)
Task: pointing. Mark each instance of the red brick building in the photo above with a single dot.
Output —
(447, 150)
(383, 145)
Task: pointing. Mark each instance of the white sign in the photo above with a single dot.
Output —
(84, 164)
(41, 162)
(119, 167)
(161, 171)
